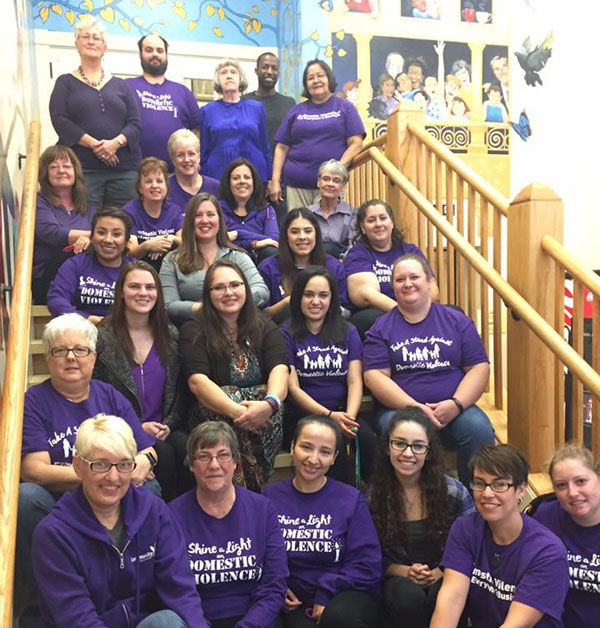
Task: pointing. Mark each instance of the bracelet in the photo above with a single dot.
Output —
(254, 244)
(273, 404)
(275, 398)
(459, 405)
(329, 413)
(153, 461)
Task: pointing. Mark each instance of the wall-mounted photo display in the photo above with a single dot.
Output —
(421, 9)
(495, 82)
(476, 11)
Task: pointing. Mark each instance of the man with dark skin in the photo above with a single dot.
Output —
(165, 106)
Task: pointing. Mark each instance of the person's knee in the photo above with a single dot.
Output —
(404, 598)
(35, 502)
(163, 619)
(351, 609)
(384, 416)
(477, 424)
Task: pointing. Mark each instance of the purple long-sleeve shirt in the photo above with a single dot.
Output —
(238, 561)
(181, 198)
(52, 226)
(77, 109)
(257, 225)
(330, 541)
(85, 581)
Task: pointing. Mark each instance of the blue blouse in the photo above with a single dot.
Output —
(231, 130)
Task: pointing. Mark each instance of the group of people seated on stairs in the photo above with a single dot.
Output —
(199, 328)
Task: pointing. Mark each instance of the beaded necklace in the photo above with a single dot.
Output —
(87, 80)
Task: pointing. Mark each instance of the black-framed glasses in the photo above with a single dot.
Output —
(498, 486)
(401, 445)
(221, 288)
(206, 458)
(63, 352)
(104, 466)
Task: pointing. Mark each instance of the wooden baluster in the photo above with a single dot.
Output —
(350, 189)
(499, 311)
(596, 366)
(577, 342)
(363, 184)
(485, 315)
(559, 369)
(427, 227)
(439, 239)
(376, 189)
(369, 175)
(460, 222)
(450, 248)
(473, 241)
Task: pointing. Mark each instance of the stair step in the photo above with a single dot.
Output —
(33, 380)
(36, 347)
(40, 310)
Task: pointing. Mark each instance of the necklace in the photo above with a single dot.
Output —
(87, 80)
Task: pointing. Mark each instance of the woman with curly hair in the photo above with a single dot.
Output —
(413, 504)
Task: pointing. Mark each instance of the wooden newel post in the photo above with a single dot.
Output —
(401, 151)
(534, 212)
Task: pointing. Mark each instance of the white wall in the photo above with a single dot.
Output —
(563, 149)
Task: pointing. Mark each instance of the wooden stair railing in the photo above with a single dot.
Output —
(486, 242)
(11, 419)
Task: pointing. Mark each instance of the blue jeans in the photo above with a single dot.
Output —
(465, 434)
(162, 619)
(110, 187)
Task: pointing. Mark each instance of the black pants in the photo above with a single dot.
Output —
(363, 319)
(407, 605)
(349, 609)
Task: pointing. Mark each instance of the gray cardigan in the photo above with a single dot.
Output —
(181, 291)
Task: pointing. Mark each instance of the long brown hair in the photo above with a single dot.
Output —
(159, 322)
(250, 320)
(78, 192)
(187, 256)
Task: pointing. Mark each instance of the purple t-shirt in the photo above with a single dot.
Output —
(271, 273)
(145, 227)
(150, 379)
(582, 606)
(532, 570)
(363, 259)
(52, 226)
(323, 368)
(316, 133)
(85, 286)
(164, 109)
(426, 359)
(181, 198)
(238, 561)
(330, 540)
(259, 224)
(51, 421)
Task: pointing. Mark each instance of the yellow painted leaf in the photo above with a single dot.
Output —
(107, 2)
(192, 25)
(180, 11)
(137, 20)
(88, 4)
(254, 8)
(340, 35)
(124, 24)
(247, 27)
(342, 52)
(84, 16)
(273, 12)
(70, 17)
(210, 10)
(328, 51)
(44, 13)
(40, 4)
(217, 31)
(315, 35)
(257, 25)
(57, 9)
(138, 3)
(221, 13)
(108, 14)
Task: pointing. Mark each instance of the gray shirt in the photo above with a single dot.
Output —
(181, 291)
(340, 227)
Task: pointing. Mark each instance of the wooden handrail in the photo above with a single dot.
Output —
(378, 141)
(470, 176)
(570, 263)
(11, 420)
(553, 340)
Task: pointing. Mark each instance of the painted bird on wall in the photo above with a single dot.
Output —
(533, 61)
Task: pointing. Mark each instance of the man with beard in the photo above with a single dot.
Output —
(165, 106)
(276, 104)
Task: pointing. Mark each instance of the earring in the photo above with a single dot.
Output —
(519, 500)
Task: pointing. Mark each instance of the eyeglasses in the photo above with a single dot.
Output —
(417, 448)
(104, 466)
(221, 288)
(206, 458)
(498, 486)
(63, 352)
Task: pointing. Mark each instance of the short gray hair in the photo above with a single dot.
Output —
(179, 136)
(223, 64)
(87, 23)
(72, 322)
(336, 167)
(210, 434)
(107, 432)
